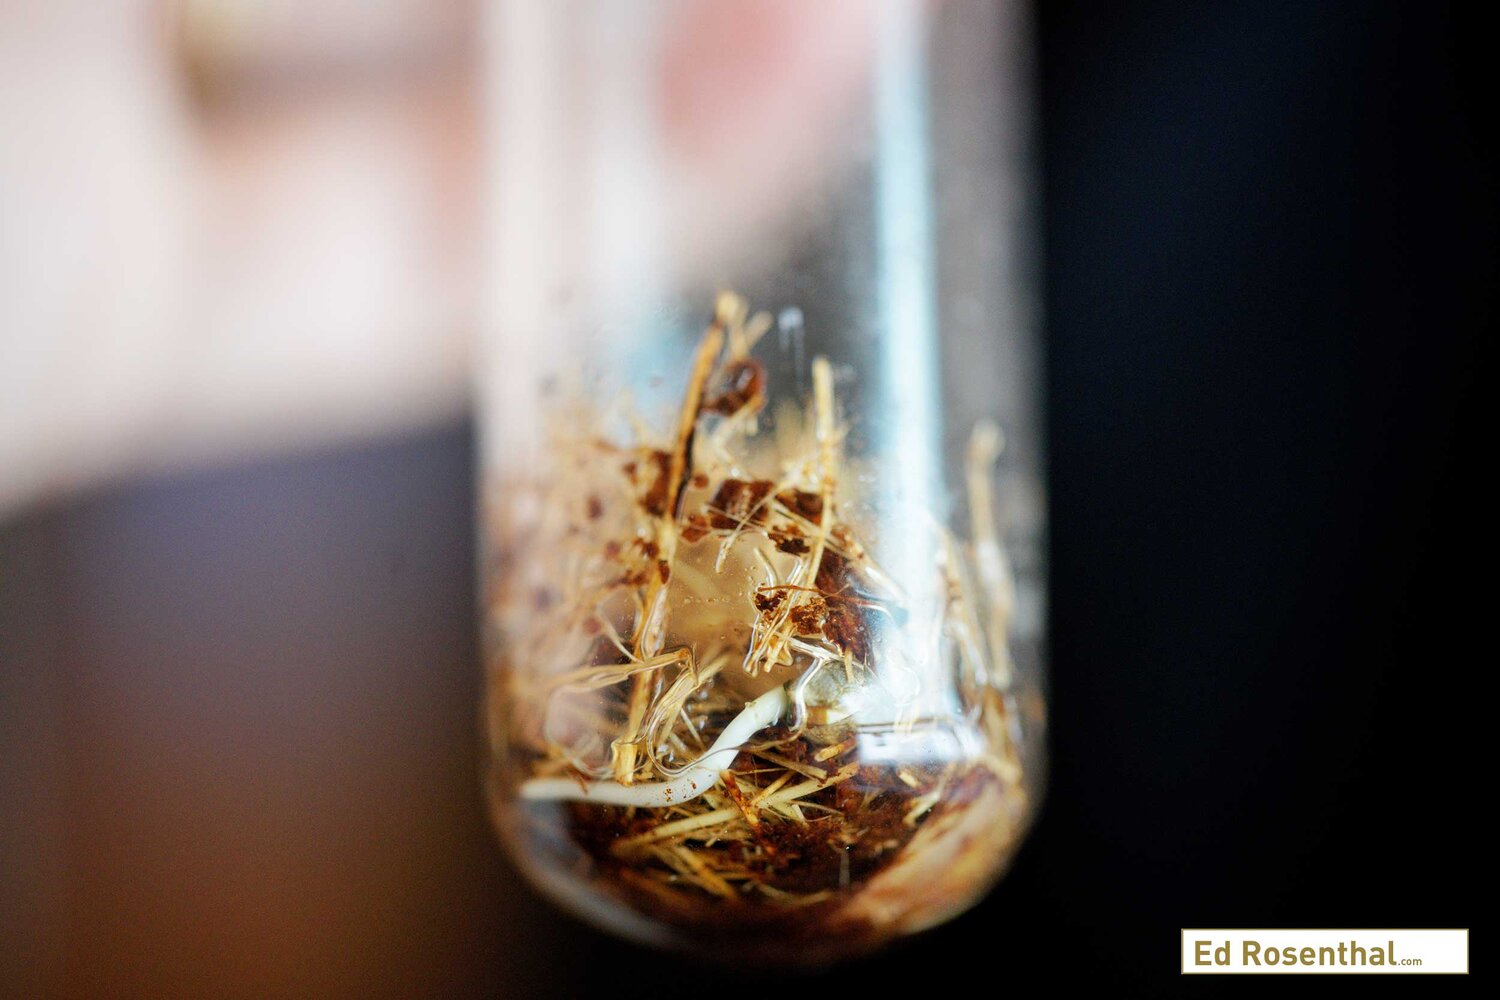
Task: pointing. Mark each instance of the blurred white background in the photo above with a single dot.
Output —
(228, 226)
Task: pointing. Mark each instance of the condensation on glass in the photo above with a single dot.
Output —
(761, 471)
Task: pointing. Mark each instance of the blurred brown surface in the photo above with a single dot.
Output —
(238, 713)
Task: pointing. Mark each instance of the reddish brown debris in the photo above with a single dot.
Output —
(739, 502)
(833, 575)
(808, 505)
(807, 618)
(789, 539)
(694, 528)
(744, 384)
(659, 493)
(767, 601)
(845, 625)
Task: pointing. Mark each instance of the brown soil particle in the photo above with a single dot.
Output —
(739, 502)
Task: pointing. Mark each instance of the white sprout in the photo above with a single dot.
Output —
(697, 778)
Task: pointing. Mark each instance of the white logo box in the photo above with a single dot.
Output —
(1351, 951)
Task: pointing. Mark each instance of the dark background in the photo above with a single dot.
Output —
(240, 706)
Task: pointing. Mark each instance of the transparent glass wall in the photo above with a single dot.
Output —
(761, 480)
